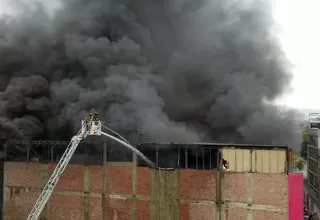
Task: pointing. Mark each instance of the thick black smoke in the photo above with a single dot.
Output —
(156, 70)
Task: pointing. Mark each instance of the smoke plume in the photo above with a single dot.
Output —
(155, 70)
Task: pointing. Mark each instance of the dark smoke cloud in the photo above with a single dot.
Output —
(156, 70)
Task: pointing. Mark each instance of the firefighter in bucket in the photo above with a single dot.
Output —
(96, 116)
(87, 121)
(91, 125)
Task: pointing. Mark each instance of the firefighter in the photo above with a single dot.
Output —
(96, 116)
(86, 120)
(90, 116)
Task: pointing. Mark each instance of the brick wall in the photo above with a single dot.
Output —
(125, 192)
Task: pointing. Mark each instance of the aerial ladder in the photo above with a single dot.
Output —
(87, 128)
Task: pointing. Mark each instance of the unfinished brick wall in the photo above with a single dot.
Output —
(125, 192)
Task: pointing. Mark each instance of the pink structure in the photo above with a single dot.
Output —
(295, 194)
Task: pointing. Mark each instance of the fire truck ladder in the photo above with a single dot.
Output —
(93, 129)
(64, 161)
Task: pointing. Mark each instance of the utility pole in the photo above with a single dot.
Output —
(105, 176)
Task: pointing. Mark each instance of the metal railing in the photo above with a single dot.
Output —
(202, 156)
(49, 152)
(183, 156)
(209, 156)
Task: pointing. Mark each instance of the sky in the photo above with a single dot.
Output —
(299, 36)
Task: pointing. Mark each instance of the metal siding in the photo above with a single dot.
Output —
(262, 161)
(230, 155)
(273, 161)
(239, 159)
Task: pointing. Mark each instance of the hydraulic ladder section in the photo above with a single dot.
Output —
(64, 161)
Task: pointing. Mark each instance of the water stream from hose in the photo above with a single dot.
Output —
(141, 155)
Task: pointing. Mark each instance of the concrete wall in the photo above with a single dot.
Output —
(121, 191)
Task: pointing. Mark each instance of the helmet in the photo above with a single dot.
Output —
(90, 113)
